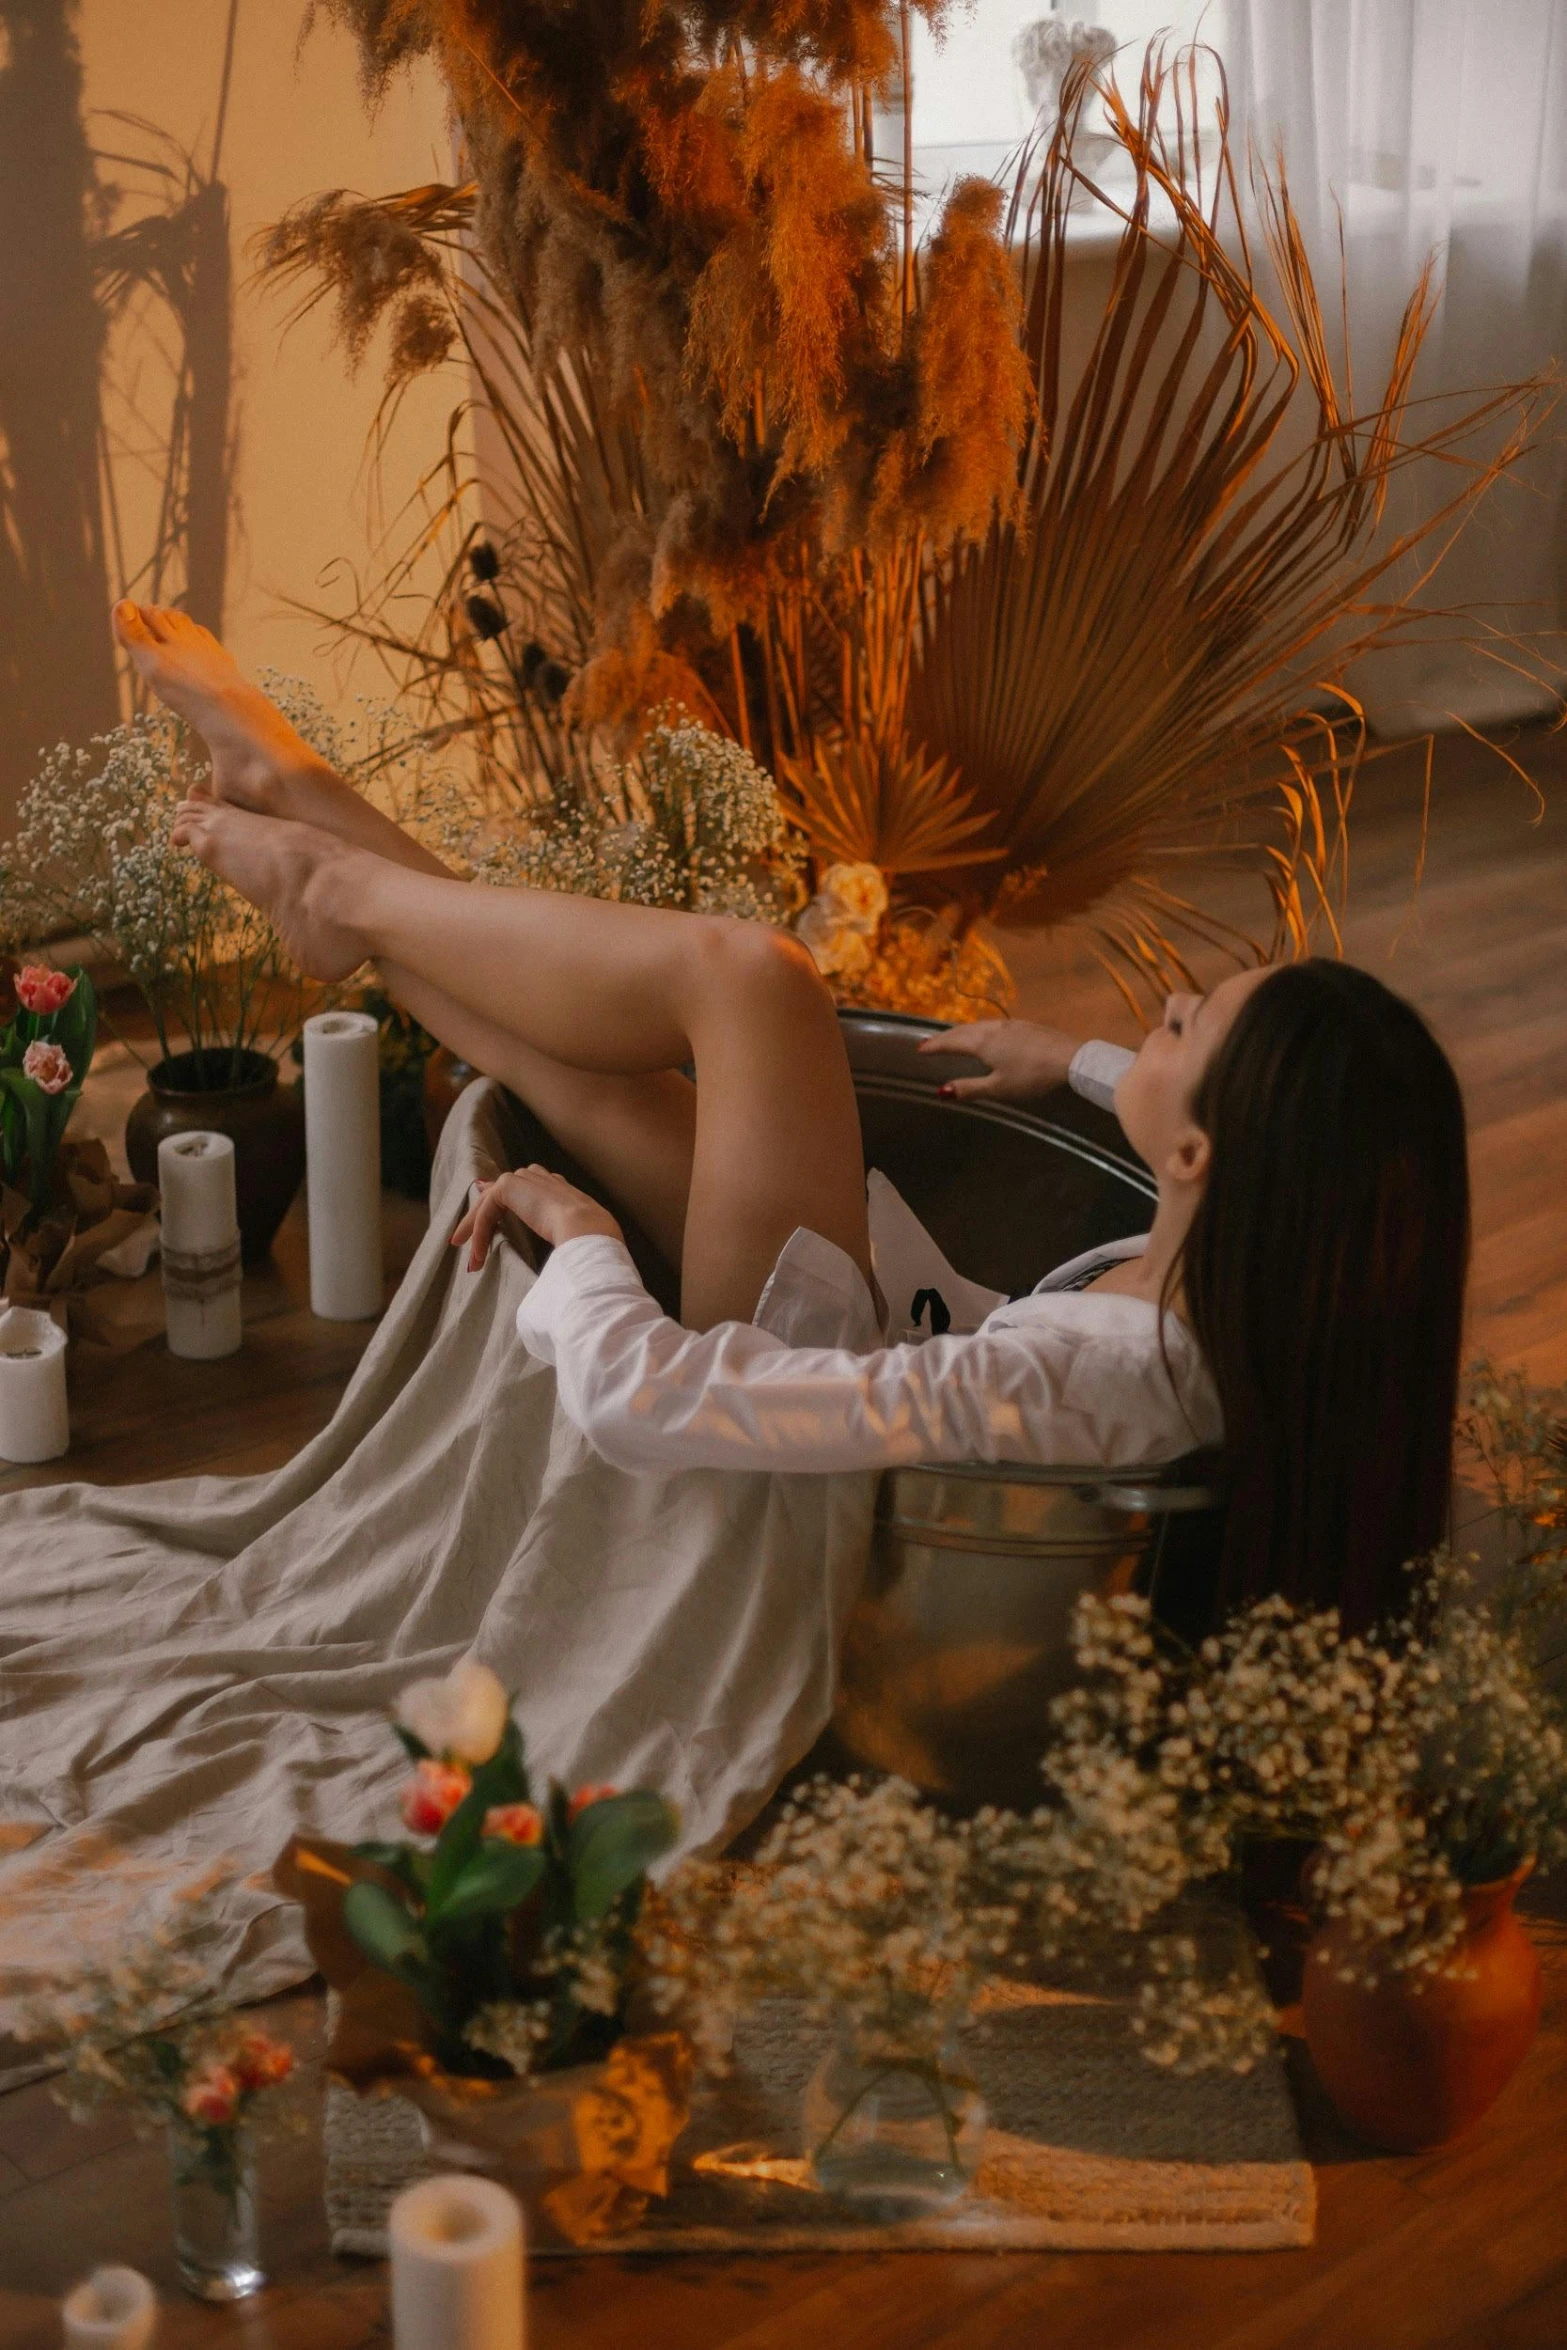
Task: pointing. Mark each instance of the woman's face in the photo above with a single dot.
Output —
(1154, 1099)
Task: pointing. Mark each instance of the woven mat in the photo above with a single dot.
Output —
(1090, 2148)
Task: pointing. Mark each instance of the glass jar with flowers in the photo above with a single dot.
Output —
(485, 1967)
(197, 2075)
(883, 1920)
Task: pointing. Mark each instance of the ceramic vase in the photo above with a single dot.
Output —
(1414, 2060)
(264, 1120)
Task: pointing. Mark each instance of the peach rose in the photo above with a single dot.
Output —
(212, 2096)
(48, 1065)
(38, 989)
(585, 1797)
(432, 1795)
(260, 2062)
(515, 1823)
(857, 894)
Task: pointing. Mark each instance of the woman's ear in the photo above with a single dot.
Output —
(1190, 1154)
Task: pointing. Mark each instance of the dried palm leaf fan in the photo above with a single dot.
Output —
(1034, 640)
(1146, 666)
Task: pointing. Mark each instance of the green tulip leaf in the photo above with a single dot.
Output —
(384, 1930)
(612, 1843)
(499, 1877)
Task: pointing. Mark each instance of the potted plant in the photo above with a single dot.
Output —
(92, 853)
(485, 1966)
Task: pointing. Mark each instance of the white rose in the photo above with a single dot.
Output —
(461, 1718)
(838, 948)
(857, 894)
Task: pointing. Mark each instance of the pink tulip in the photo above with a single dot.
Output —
(586, 1796)
(213, 2096)
(48, 1066)
(38, 989)
(515, 1823)
(432, 1795)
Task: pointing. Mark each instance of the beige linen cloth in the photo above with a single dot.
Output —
(191, 1670)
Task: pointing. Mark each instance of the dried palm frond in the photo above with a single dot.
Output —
(1148, 664)
(1039, 635)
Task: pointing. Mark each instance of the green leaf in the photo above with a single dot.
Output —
(498, 1878)
(403, 1861)
(609, 1846)
(500, 1780)
(384, 1930)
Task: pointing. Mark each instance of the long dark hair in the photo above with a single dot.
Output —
(1324, 1276)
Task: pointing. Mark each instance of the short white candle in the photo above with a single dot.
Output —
(35, 1424)
(201, 1268)
(116, 2309)
(343, 1165)
(457, 2266)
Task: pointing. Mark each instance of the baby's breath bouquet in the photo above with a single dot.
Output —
(692, 822)
(92, 853)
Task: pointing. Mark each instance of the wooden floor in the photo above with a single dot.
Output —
(1461, 2250)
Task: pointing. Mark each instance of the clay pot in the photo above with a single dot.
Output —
(264, 1120)
(1416, 2060)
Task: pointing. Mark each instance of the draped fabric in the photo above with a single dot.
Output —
(191, 1670)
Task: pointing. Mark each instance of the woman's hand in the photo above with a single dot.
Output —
(546, 1203)
(1025, 1059)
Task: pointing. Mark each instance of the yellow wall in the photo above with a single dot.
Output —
(296, 124)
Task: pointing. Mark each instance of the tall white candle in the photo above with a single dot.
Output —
(343, 1165)
(201, 1268)
(34, 1422)
(115, 2309)
(457, 2266)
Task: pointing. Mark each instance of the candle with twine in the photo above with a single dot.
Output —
(201, 1269)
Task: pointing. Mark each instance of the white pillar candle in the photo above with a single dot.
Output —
(343, 1165)
(457, 2265)
(201, 1268)
(34, 1422)
(116, 2309)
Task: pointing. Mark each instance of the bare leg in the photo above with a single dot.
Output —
(623, 992)
(635, 1135)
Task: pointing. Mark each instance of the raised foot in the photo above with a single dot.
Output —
(292, 872)
(256, 755)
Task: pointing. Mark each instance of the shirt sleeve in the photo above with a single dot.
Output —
(1097, 1069)
(650, 1394)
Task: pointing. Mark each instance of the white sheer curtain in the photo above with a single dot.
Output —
(1431, 126)
(1437, 126)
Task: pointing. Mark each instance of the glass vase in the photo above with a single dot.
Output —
(898, 2131)
(212, 2185)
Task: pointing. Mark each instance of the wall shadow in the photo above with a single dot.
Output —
(57, 678)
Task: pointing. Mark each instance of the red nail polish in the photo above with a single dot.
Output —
(946, 1093)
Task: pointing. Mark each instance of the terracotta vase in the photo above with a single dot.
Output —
(264, 1120)
(1416, 2060)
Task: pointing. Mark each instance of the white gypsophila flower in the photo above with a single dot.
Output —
(461, 1717)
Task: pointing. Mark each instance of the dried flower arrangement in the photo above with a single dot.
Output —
(1029, 641)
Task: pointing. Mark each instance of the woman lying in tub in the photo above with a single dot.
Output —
(1298, 1297)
